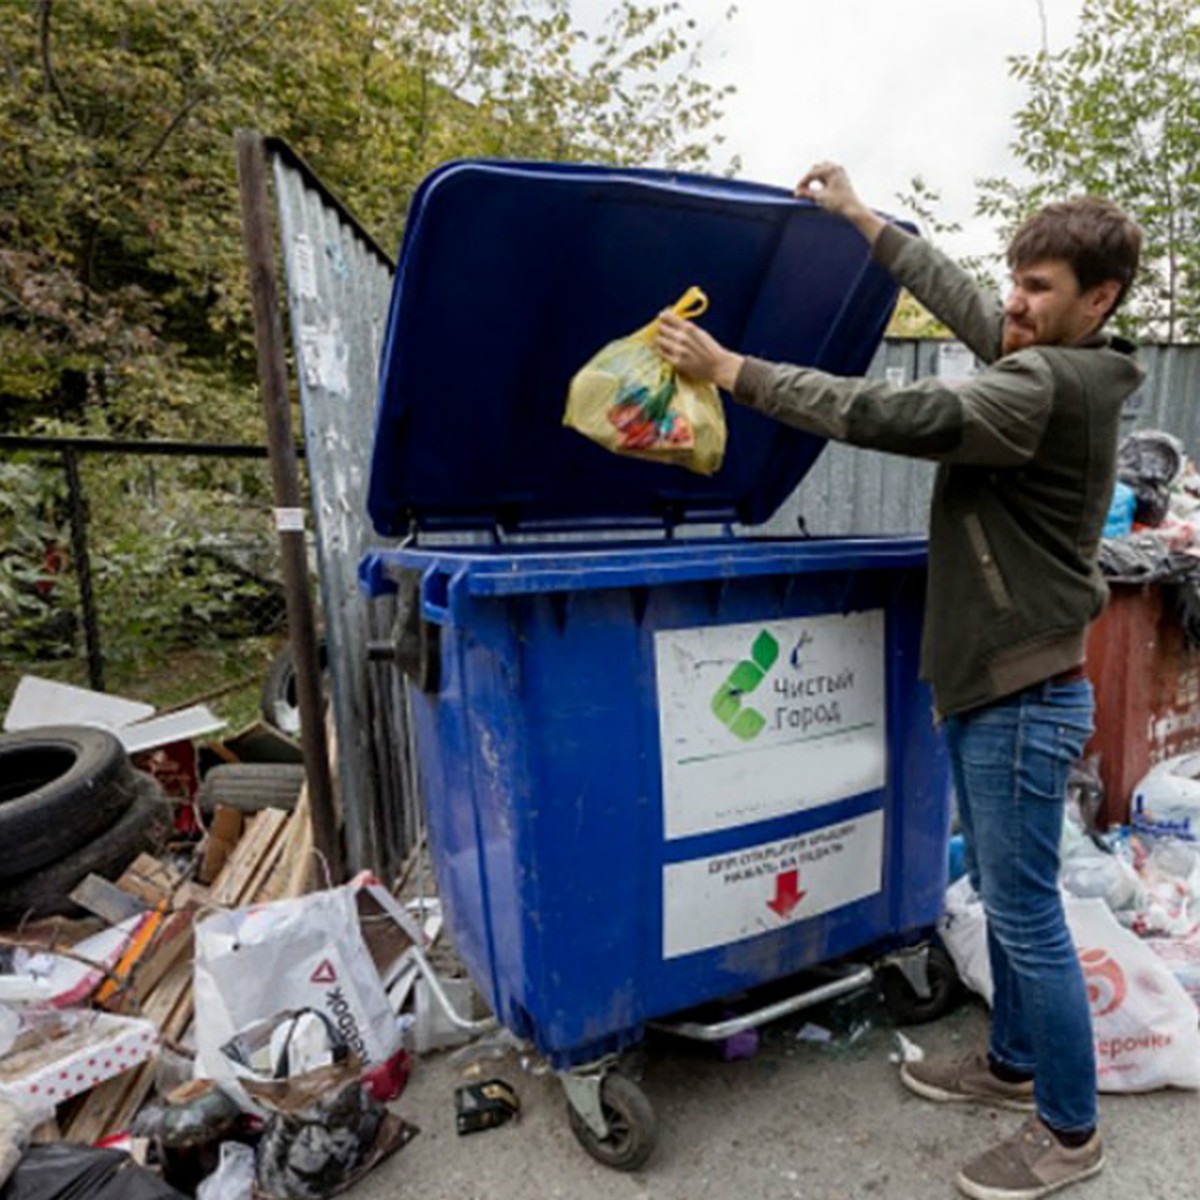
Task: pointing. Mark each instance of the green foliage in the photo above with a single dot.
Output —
(123, 306)
(911, 319)
(33, 536)
(180, 549)
(123, 301)
(1117, 114)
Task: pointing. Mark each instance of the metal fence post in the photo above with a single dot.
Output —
(259, 238)
(83, 569)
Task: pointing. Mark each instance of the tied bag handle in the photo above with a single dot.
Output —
(693, 303)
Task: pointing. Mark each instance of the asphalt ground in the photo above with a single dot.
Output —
(797, 1121)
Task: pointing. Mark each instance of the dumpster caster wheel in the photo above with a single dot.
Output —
(903, 1002)
(632, 1125)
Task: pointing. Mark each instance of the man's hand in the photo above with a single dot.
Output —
(828, 185)
(694, 353)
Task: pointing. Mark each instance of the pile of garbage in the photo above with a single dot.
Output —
(1132, 898)
(184, 1011)
(1152, 534)
(279, 1085)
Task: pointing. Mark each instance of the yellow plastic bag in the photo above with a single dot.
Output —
(631, 401)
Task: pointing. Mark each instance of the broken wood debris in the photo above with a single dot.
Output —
(246, 878)
(153, 979)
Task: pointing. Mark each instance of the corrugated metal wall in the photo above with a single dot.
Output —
(338, 286)
(861, 491)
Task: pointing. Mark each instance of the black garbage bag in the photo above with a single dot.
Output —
(325, 1132)
(1139, 558)
(1149, 461)
(63, 1171)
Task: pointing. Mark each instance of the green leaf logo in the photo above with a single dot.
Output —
(741, 720)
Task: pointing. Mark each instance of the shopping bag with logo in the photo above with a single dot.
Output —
(631, 401)
(1143, 1020)
(310, 952)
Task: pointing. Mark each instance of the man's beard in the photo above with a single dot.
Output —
(1016, 337)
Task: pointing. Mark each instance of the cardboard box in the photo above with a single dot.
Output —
(58, 1061)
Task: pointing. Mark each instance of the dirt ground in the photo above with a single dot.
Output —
(798, 1121)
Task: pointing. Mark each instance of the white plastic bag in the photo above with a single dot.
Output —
(963, 930)
(234, 1177)
(10, 1026)
(1167, 800)
(307, 952)
(1143, 1021)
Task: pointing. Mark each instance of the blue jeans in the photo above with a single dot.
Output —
(1010, 762)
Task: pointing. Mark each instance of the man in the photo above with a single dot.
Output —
(1027, 453)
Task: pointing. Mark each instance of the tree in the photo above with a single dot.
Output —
(1117, 114)
(911, 319)
(122, 295)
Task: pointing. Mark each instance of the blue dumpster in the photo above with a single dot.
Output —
(662, 761)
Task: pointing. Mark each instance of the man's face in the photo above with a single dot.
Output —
(1046, 306)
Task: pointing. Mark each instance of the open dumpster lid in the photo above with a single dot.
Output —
(512, 275)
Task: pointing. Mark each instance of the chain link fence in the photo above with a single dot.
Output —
(147, 570)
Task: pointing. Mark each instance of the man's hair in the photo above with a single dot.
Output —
(1093, 235)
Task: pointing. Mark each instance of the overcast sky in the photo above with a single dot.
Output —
(889, 88)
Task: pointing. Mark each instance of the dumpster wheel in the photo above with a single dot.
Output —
(903, 1002)
(632, 1125)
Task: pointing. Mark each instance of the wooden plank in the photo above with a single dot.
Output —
(229, 888)
(224, 832)
(149, 879)
(174, 942)
(104, 898)
(257, 885)
(291, 873)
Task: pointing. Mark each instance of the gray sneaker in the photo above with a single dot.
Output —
(1029, 1164)
(968, 1081)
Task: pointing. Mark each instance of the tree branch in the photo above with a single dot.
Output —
(44, 7)
(205, 90)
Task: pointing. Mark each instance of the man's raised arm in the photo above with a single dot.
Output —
(942, 286)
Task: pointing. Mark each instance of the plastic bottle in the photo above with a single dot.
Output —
(1119, 521)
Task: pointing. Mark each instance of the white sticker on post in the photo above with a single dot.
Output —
(305, 267)
(289, 520)
(760, 889)
(765, 719)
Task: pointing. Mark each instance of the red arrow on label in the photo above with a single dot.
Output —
(787, 893)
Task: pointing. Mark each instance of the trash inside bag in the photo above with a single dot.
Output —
(63, 1171)
(191, 1126)
(234, 1177)
(631, 401)
(1150, 461)
(324, 1132)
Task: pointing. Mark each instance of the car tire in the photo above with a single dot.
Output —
(144, 825)
(250, 787)
(60, 786)
(279, 703)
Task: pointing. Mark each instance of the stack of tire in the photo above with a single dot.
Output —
(71, 804)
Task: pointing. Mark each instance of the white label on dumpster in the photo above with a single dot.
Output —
(744, 893)
(761, 720)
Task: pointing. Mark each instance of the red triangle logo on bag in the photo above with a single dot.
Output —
(324, 973)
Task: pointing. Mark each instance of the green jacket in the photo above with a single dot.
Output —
(1027, 449)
